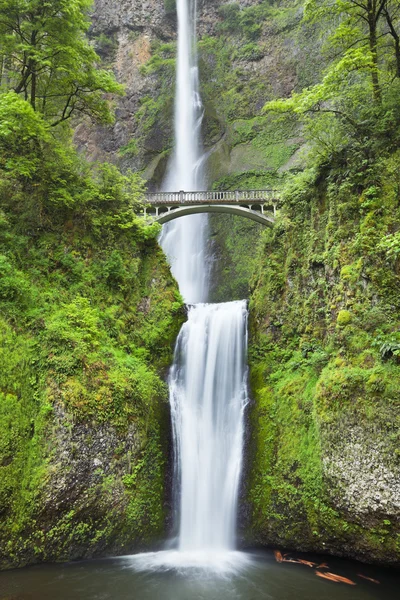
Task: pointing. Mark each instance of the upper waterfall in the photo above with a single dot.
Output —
(184, 240)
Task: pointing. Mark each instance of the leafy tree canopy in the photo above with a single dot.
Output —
(47, 59)
(356, 101)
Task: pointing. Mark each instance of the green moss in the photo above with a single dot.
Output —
(130, 149)
(247, 21)
(324, 367)
(235, 241)
(344, 318)
(87, 328)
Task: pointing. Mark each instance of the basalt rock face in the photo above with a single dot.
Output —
(123, 33)
(84, 414)
(248, 53)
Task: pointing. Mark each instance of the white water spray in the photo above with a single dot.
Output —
(183, 240)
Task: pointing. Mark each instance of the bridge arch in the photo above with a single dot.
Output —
(242, 211)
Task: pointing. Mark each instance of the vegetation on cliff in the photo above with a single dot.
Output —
(88, 310)
(325, 310)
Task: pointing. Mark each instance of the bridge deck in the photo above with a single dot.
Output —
(230, 197)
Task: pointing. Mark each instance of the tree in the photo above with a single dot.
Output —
(47, 58)
(355, 105)
(391, 13)
(360, 24)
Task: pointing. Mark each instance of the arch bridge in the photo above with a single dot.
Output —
(257, 205)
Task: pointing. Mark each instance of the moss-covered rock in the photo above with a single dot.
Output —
(84, 419)
(325, 467)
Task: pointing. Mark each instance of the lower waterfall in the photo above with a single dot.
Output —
(207, 382)
(208, 393)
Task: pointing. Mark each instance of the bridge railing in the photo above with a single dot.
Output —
(237, 196)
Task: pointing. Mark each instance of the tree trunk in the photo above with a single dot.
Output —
(33, 88)
(396, 38)
(33, 66)
(372, 17)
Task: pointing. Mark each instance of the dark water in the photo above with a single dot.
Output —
(264, 578)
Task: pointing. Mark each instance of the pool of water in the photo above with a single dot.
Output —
(258, 576)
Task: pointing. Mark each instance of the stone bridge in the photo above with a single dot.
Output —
(258, 205)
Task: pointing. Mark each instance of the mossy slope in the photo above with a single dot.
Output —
(87, 325)
(325, 372)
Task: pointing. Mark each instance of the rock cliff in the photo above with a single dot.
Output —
(249, 52)
(84, 415)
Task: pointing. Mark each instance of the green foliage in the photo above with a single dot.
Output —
(247, 21)
(388, 345)
(47, 59)
(250, 180)
(238, 94)
(42, 178)
(22, 131)
(14, 285)
(324, 348)
(344, 318)
(235, 244)
(390, 244)
(130, 149)
(249, 52)
(89, 311)
(356, 99)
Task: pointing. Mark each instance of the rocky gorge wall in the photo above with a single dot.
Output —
(87, 330)
(249, 52)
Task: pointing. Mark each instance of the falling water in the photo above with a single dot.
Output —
(208, 393)
(207, 382)
(184, 240)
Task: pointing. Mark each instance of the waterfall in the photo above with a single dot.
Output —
(184, 240)
(207, 382)
(208, 393)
